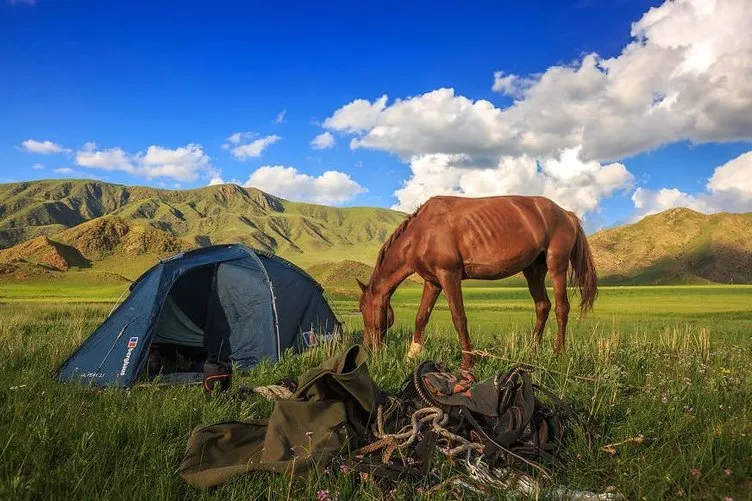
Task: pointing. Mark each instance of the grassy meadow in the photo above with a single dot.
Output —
(672, 364)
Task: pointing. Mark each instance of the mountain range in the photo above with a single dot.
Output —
(54, 228)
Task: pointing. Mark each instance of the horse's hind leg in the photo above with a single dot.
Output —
(558, 264)
(451, 282)
(536, 283)
(431, 292)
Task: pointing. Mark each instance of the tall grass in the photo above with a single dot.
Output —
(682, 381)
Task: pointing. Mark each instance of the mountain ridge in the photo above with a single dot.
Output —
(103, 220)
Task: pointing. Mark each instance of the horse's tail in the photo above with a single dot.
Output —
(582, 274)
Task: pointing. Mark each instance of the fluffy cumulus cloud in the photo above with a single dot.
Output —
(576, 184)
(728, 189)
(182, 164)
(331, 187)
(42, 147)
(686, 74)
(186, 163)
(38, 166)
(323, 141)
(245, 145)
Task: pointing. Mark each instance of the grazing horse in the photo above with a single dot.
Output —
(449, 239)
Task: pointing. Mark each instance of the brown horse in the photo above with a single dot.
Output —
(449, 239)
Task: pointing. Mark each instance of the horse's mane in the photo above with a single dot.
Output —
(395, 235)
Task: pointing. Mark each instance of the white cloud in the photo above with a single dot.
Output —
(331, 187)
(323, 141)
(734, 177)
(728, 189)
(280, 119)
(685, 75)
(576, 185)
(358, 116)
(42, 147)
(653, 201)
(38, 166)
(242, 148)
(240, 137)
(511, 85)
(22, 2)
(64, 170)
(186, 163)
(112, 159)
(182, 164)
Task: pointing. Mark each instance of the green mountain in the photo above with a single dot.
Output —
(50, 228)
(677, 246)
(105, 222)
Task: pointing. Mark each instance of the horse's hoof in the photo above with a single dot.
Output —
(415, 350)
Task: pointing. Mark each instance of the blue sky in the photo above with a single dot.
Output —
(152, 93)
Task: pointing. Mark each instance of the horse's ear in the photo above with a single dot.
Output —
(362, 286)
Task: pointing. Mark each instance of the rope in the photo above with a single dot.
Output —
(405, 437)
(409, 434)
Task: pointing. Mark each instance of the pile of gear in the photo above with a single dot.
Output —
(501, 430)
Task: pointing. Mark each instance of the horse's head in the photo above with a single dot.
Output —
(377, 313)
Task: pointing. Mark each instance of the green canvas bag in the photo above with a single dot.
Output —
(328, 415)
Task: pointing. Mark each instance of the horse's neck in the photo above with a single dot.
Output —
(391, 272)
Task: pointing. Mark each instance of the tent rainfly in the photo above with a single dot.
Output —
(224, 301)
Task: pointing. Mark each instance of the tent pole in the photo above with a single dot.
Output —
(120, 334)
(118, 301)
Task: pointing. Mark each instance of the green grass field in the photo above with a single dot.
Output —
(670, 363)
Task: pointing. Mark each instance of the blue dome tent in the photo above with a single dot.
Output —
(225, 301)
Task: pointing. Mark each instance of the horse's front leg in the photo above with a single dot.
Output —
(431, 292)
(451, 282)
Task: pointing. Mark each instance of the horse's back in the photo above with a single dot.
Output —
(514, 209)
(492, 236)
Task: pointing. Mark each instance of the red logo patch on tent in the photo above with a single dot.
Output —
(132, 342)
(310, 339)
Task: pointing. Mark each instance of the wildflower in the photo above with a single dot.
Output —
(344, 468)
(309, 434)
(323, 495)
(728, 498)
(695, 472)
(728, 472)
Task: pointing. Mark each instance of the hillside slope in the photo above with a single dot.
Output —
(677, 246)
